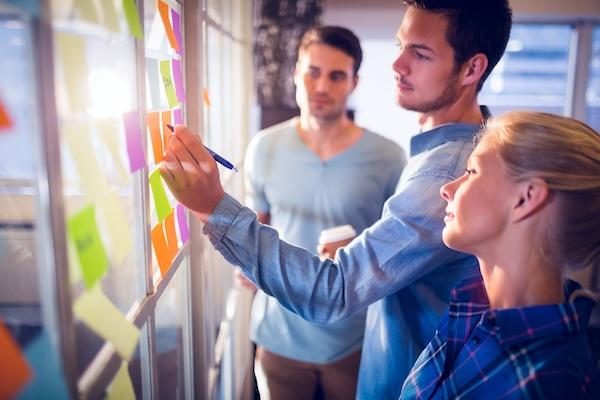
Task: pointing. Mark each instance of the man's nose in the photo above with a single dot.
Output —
(400, 64)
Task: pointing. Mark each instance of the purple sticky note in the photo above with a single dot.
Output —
(178, 78)
(177, 29)
(177, 117)
(133, 133)
(182, 222)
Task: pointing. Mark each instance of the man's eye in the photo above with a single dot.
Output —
(420, 56)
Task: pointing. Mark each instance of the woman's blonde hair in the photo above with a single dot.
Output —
(565, 153)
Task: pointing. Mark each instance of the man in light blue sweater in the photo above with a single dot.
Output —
(303, 176)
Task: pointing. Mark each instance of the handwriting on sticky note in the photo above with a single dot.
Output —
(165, 72)
(14, 370)
(90, 250)
(107, 321)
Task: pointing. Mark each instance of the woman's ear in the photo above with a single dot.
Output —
(532, 197)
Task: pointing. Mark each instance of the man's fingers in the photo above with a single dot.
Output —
(193, 144)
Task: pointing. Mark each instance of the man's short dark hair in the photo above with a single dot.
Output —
(335, 36)
(474, 26)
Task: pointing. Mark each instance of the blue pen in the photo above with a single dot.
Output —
(217, 157)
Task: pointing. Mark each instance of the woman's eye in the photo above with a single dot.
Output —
(470, 171)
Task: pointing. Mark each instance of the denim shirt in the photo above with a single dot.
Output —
(398, 267)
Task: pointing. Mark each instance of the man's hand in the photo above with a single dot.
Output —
(191, 173)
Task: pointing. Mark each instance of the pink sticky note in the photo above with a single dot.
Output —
(182, 222)
(135, 149)
(178, 78)
(175, 20)
(177, 117)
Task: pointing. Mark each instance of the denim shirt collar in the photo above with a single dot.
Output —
(445, 133)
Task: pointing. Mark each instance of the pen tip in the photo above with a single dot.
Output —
(235, 169)
(170, 127)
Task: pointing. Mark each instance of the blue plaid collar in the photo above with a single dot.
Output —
(517, 325)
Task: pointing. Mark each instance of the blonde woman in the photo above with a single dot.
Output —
(528, 207)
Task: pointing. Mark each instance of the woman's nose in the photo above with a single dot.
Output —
(447, 191)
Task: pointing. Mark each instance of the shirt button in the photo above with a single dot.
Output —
(475, 339)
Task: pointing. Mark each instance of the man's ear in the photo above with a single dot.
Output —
(474, 68)
(533, 195)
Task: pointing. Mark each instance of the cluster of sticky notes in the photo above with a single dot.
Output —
(5, 120)
(164, 238)
(104, 12)
(172, 26)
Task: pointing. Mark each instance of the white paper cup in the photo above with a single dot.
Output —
(337, 234)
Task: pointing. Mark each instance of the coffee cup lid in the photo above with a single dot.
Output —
(337, 233)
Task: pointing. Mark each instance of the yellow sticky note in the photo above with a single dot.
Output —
(165, 72)
(93, 181)
(111, 136)
(161, 202)
(101, 316)
(71, 51)
(74, 267)
(121, 387)
(109, 14)
(87, 10)
(114, 221)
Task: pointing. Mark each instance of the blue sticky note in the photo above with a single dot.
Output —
(48, 381)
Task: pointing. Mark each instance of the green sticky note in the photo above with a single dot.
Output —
(163, 208)
(89, 247)
(121, 387)
(133, 18)
(165, 72)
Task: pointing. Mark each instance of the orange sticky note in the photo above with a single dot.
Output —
(171, 235)
(164, 241)
(206, 97)
(14, 370)
(5, 121)
(166, 120)
(153, 120)
(163, 9)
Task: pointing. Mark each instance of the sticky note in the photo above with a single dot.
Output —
(109, 14)
(72, 53)
(5, 120)
(48, 381)
(121, 387)
(184, 231)
(177, 29)
(133, 134)
(161, 202)
(177, 117)
(161, 248)
(178, 78)
(87, 11)
(88, 245)
(153, 83)
(165, 117)
(165, 72)
(163, 9)
(109, 130)
(79, 142)
(156, 37)
(206, 97)
(115, 224)
(107, 321)
(14, 370)
(133, 18)
(74, 267)
(153, 120)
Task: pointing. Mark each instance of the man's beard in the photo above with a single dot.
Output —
(447, 97)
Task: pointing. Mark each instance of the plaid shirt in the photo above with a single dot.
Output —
(532, 352)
